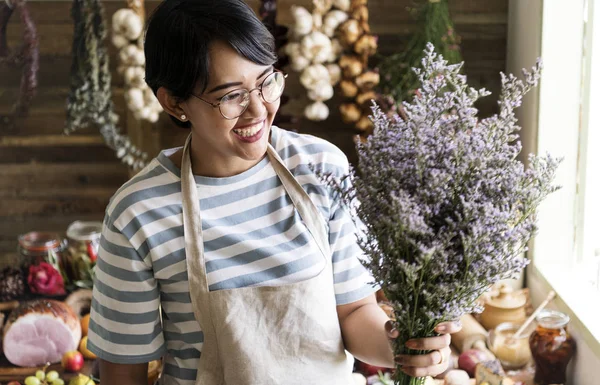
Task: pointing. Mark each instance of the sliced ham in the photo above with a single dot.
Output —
(40, 331)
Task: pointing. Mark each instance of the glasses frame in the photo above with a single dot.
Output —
(259, 88)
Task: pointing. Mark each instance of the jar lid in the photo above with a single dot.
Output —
(39, 241)
(84, 231)
(506, 298)
(552, 319)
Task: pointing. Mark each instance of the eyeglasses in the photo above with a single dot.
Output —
(233, 104)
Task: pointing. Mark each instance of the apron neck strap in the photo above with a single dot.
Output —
(192, 223)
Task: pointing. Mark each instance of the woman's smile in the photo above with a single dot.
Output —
(250, 133)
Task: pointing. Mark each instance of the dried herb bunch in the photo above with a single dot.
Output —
(435, 26)
(90, 99)
(25, 56)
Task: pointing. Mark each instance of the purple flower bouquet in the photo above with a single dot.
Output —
(445, 207)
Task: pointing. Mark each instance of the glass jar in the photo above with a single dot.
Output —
(552, 347)
(83, 243)
(36, 246)
(42, 256)
(513, 353)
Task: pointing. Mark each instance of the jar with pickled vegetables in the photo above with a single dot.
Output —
(83, 243)
(38, 246)
(552, 347)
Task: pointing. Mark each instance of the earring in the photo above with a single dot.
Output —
(183, 117)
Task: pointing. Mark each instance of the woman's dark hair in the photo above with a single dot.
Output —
(180, 32)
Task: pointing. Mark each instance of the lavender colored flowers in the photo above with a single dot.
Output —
(445, 207)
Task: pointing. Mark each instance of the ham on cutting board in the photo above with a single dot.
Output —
(40, 331)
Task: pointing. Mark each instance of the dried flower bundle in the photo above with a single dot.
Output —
(444, 206)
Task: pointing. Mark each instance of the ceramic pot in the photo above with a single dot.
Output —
(504, 306)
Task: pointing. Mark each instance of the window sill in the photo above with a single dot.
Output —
(574, 296)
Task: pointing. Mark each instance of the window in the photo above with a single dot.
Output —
(566, 251)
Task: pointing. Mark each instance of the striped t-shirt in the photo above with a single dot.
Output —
(252, 236)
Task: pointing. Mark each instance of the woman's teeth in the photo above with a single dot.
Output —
(249, 131)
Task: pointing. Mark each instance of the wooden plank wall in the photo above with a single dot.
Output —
(48, 180)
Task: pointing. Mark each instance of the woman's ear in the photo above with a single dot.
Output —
(171, 104)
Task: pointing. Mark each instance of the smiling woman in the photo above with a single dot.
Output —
(250, 257)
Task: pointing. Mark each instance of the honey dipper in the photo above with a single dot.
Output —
(550, 297)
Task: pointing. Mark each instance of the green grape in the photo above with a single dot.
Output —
(32, 381)
(52, 376)
(58, 381)
(40, 374)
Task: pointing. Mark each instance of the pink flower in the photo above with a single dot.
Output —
(45, 279)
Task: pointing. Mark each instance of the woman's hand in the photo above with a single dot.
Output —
(430, 364)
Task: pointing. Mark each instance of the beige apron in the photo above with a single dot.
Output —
(287, 334)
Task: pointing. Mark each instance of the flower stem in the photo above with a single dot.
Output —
(401, 378)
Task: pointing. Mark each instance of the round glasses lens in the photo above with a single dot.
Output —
(273, 86)
(234, 103)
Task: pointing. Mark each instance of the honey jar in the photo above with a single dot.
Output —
(513, 353)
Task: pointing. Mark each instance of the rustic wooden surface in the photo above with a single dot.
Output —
(48, 181)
